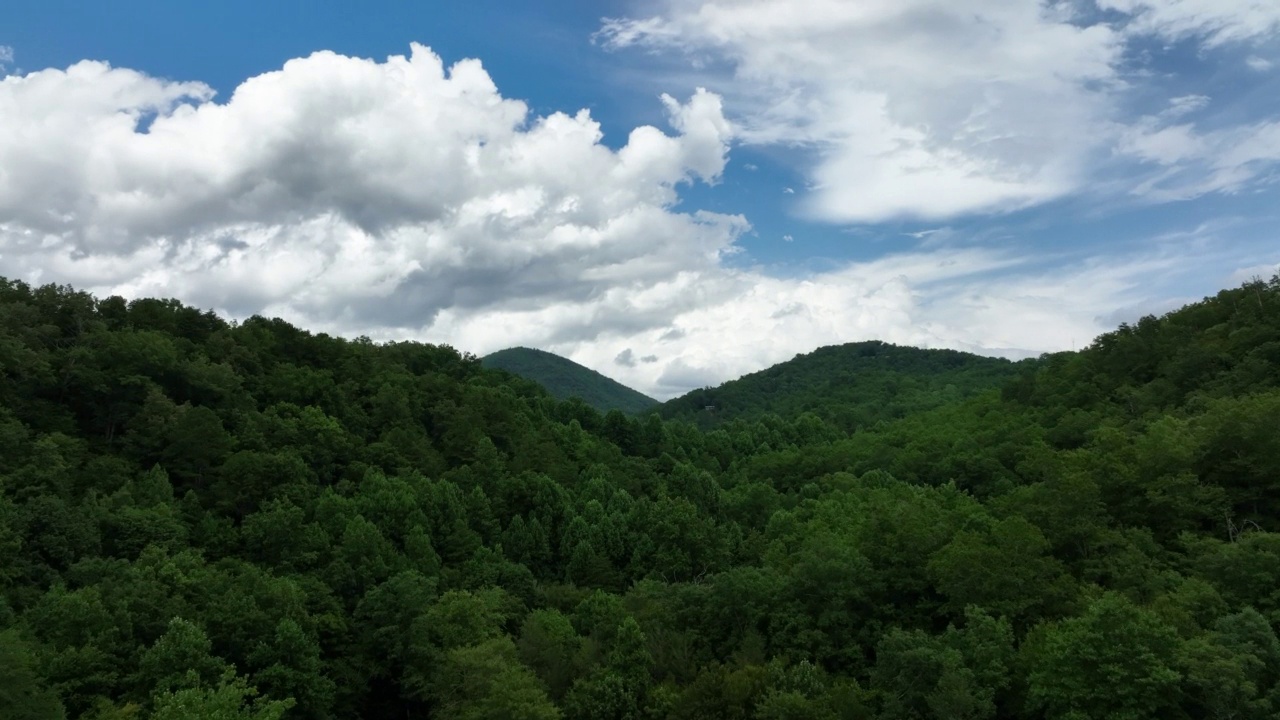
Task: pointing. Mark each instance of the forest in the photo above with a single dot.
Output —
(247, 521)
(849, 386)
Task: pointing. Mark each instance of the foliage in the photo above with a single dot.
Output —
(247, 521)
(848, 386)
(566, 379)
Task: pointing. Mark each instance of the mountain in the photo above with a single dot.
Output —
(851, 386)
(564, 378)
(211, 519)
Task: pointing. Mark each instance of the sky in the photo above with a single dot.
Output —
(671, 192)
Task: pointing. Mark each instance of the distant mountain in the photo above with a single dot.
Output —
(564, 378)
(851, 386)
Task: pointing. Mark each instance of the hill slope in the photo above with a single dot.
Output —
(564, 379)
(203, 519)
(851, 386)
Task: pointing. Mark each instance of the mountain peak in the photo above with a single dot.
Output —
(564, 379)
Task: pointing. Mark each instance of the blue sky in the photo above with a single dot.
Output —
(749, 179)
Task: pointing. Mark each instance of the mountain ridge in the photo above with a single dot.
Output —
(564, 379)
(851, 385)
(266, 513)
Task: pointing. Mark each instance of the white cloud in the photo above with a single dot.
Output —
(929, 109)
(922, 234)
(1259, 64)
(935, 299)
(1194, 163)
(1185, 105)
(6, 56)
(403, 200)
(989, 302)
(914, 108)
(1216, 21)
(344, 191)
(1164, 145)
(1265, 271)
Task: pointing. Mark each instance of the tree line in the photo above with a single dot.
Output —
(207, 519)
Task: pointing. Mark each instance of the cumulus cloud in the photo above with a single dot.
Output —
(345, 191)
(987, 301)
(759, 320)
(404, 199)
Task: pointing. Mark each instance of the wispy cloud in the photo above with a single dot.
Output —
(1192, 163)
(930, 110)
(913, 108)
(1259, 64)
(923, 233)
(1214, 22)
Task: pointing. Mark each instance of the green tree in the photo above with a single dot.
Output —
(1232, 670)
(1117, 660)
(290, 666)
(921, 677)
(1006, 570)
(629, 657)
(182, 658)
(231, 699)
(604, 695)
(551, 647)
(23, 693)
(483, 681)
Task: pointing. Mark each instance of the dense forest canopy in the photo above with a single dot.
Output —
(565, 379)
(204, 519)
(851, 386)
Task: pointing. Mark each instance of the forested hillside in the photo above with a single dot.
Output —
(850, 386)
(566, 379)
(201, 519)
